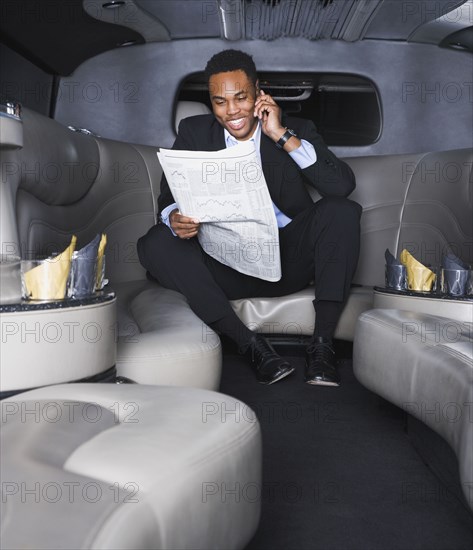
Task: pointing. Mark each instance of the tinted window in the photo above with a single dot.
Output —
(345, 108)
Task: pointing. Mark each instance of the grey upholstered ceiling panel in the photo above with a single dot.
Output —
(397, 20)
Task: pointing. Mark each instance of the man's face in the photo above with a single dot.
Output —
(233, 97)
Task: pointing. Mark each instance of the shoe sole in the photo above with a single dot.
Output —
(322, 383)
(283, 375)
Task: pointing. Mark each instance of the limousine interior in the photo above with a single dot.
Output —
(126, 421)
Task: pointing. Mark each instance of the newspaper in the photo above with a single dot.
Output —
(226, 191)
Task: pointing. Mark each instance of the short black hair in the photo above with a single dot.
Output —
(231, 60)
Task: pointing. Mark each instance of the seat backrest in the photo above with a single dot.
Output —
(63, 182)
(381, 190)
(422, 202)
(70, 183)
(437, 217)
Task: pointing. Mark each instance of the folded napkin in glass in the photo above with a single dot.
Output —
(84, 269)
(46, 279)
(419, 277)
(454, 276)
(395, 272)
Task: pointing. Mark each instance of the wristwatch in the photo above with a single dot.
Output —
(287, 135)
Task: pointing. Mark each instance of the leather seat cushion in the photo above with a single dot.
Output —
(294, 314)
(161, 341)
(460, 310)
(162, 460)
(424, 365)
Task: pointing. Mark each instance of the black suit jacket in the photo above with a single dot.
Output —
(286, 182)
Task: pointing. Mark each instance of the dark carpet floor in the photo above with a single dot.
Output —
(339, 472)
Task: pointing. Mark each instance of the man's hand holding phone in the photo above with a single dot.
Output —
(269, 112)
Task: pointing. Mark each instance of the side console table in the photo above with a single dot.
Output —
(44, 343)
(459, 308)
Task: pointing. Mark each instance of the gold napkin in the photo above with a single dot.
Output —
(48, 280)
(419, 277)
(100, 266)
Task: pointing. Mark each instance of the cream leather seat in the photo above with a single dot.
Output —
(109, 466)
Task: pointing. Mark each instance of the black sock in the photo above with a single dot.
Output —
(234, 328)
(327, 314)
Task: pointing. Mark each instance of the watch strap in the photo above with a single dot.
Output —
(287, 135)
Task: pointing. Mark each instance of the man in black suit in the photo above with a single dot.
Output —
(318, 241)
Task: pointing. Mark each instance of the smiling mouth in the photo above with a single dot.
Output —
(236, 124)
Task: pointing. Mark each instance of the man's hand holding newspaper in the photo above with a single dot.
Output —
(225, 193)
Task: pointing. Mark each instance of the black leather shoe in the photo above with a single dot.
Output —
(269, 366)
(320, 369)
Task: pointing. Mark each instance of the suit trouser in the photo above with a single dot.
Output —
(320, 244)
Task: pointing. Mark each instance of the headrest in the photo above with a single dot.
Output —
(185, 109)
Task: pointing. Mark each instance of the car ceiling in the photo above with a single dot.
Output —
(58, 35)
